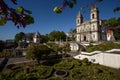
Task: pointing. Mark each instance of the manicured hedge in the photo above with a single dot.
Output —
(85, 62)
(14, 75)
(54, 78)
(64, 65)
(38, 72)
(91, 72)
(76, 69)
(43, 72)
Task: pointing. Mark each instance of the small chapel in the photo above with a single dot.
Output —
(36, 37)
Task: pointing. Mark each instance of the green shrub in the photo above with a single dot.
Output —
(55, 47)
(2, 76)
(85, 62)
(15, 72)
(27, 70)
(103, 47)
(97, 70)
(54, 78)
(30, 73)
(44, 72)
(65, 64)
(75, 74)
(77, 62)
(31, 77)
(91, 72)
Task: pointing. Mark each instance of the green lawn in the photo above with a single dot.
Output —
(103, 47)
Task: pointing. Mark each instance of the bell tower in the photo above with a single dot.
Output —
(94, 14)
(79, 19)
(36, 37)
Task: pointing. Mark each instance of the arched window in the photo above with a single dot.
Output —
(78, 21)
(93, 16)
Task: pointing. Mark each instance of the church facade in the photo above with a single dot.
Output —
(88, 31)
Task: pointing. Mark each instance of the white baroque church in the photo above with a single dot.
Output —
(91, 31)
(88, 31)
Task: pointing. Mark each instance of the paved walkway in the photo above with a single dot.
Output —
(18, 60)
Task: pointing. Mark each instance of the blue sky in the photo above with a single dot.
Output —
(46, 20)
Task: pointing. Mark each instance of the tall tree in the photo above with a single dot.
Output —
(29, 36)
(66, 47)
(113, 23)
(117, 31)
(44, 38)
(57, 35)
(19, 36)
(36, 51)
(55, 47)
